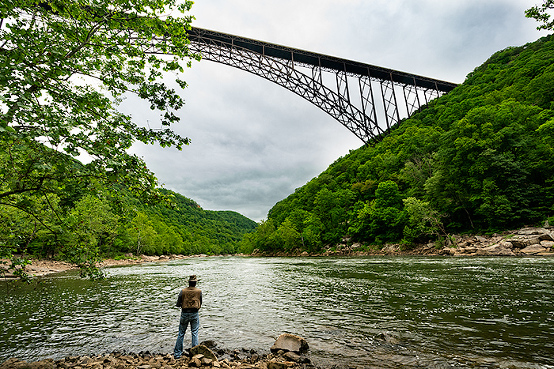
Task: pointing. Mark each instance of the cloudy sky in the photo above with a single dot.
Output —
(254, 142)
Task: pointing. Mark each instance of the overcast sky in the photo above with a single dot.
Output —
(254, 142)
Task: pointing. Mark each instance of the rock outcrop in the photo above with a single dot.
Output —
(200, 357)
(529, 241)
(526, 241)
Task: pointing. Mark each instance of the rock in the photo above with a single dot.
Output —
(292, 356)
(209, 344)
(290, 342)
(520, 242)
(196, 361)
(447, 251)
(468, 250)
(547, 244)
(388, 337)
(533, 249)
(278, 365)
(530, 231)
(482, 239)
(13, 363)
(390, 248)
(204, 351)
(500, 249)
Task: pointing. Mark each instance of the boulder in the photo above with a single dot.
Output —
(532, 231)
(278, 365)
(521, 242)
(206, 361)
(290, 342)
(447, 251)
(547, 236)
(196, 361)
(533, 249)
(547, 244)
(204, 351)
(499, 249)
(468, 250)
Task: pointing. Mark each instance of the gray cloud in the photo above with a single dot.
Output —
(254, 142)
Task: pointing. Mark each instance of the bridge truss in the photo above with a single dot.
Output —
(362, 97)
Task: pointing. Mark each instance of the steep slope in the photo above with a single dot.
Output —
(478, 159)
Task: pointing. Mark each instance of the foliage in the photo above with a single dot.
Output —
(540, 14)
(98, 225)
(479, 159)
(64, 67)
(381, 220)
(422, 220)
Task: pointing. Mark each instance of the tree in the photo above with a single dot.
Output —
(91, 223)
(381, 220)
(64, 67)
(422, 220)
(540, 14)
(143, 234)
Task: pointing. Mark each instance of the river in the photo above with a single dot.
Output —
(436, 312)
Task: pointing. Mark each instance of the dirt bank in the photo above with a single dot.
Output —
(42, 267)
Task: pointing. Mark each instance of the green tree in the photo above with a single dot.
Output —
(288, 236)
(422, 220)
(64, 67)
(383, 219)
(143, 235)
(541, 14)
(90, 225)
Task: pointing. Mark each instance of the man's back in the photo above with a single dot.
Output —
(191, 298)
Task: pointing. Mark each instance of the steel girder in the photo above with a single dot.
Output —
(302, 73)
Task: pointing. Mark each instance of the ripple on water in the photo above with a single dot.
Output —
(438, 312)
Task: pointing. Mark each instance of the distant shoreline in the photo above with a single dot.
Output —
(529, 241)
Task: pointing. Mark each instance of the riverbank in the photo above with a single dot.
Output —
(42, 267)
(529, 241)
(236, 360)
(286, 353)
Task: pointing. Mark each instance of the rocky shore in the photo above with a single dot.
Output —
(530, 241)
(288, 352)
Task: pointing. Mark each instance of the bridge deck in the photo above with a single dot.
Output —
(309, 58)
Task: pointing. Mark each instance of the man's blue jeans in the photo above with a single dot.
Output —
(194, 321)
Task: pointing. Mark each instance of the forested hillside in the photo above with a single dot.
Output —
(79, 224)
(479, 159)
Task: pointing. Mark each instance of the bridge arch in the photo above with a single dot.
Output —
(368, 110)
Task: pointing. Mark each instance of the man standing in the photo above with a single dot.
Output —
(190, 301)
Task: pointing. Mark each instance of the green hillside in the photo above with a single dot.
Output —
(479, 159)
(85, 223)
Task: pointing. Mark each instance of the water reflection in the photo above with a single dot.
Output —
(440, 312)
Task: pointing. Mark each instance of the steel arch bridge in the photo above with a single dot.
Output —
(368, 108)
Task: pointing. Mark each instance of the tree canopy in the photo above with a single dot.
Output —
(64, 67)
(541, 14)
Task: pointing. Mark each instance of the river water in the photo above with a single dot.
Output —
(370, 312)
